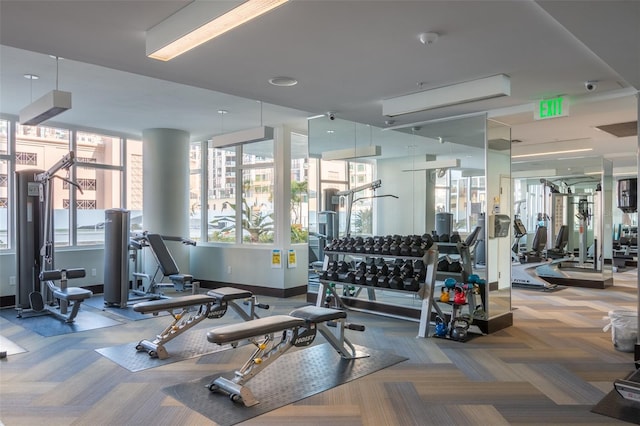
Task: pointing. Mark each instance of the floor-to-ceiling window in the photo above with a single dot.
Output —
(81, 193)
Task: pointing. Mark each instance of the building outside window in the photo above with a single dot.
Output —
(4, 185)
(99, 172)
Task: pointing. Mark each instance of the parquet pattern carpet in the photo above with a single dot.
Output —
(549, 368)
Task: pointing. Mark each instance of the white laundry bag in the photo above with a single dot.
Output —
(624, 329)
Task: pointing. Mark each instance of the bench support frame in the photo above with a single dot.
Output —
(267, 351)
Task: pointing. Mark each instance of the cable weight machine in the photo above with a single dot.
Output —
(36, 292)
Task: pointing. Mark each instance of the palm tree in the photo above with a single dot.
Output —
(258, 224)
(299, 190)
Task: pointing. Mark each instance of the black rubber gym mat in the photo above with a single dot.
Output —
(48, 325)
(294, 376)
(614, 405)
(188, 345)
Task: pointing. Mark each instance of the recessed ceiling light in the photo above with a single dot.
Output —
(428, 38)
(330, 131)
(31, 77)
(283, 81)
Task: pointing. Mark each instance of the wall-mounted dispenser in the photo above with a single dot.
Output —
(498, 226)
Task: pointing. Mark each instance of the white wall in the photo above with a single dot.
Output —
(248, 266)
(79, 257)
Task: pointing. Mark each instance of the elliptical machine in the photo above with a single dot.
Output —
(519, 231)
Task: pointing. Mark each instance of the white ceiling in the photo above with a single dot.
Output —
(347, 56)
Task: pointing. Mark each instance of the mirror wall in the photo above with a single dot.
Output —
(577, 212)
(367, 181)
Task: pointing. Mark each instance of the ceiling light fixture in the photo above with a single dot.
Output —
(51, 104)
(283, 81)
(428, 38)
(199, 22)
(258, 134)
(353, 153)
(452, 163)
(539, 154)
(455, 94)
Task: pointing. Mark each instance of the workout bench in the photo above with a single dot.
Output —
(62, 293)
(166, 267)
(214, 304)
(296, 329)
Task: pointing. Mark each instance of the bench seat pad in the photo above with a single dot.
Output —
(72, 293)
(173, 303)
(182, 278)
(229, 293)
(318, 314)
(257, 327)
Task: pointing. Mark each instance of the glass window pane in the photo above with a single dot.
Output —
(362, 208)
(97, 148)
(257, 206)
(103, 193)
(257, 152)
(134, 183)
(334, 171)
(221, 194)
(4, 133)
(39, 148)
(195, 196)
(4, 205)
(299, 189)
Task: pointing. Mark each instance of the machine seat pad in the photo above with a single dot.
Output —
(172, 303)
(181, 278)
(72, 293)
(317, 314)
(257, 327)
(229, 293)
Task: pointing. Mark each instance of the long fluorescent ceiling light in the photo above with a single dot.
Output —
(51, 104)
(353, 153)
(455, 94)
(539, 154)
(200, 22)
(258, 134)
(452, 163)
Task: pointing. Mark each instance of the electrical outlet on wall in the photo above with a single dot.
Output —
(229, 269)
(12, 280)
(93, 272)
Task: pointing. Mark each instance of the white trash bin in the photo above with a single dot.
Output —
(624, 329)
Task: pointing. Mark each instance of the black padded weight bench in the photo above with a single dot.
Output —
(166, 266)
(63, 294)
(273, 336)
(188, 311)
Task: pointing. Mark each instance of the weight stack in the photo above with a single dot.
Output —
(116, 257)
(628, 195)
(444, 223)
(29, 236)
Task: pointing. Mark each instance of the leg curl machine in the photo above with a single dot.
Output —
(188, 311)
(62, 295)
(273, 336)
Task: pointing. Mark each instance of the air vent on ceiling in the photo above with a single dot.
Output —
(621, 130)
(499, 144)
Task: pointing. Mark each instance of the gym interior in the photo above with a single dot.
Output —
(460, 250)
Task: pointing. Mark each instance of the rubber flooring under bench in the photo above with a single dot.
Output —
(292, 377)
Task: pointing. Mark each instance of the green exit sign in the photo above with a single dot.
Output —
(552, 108)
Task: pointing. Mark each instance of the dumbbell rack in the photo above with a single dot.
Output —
(462, 250)
(426, 291)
